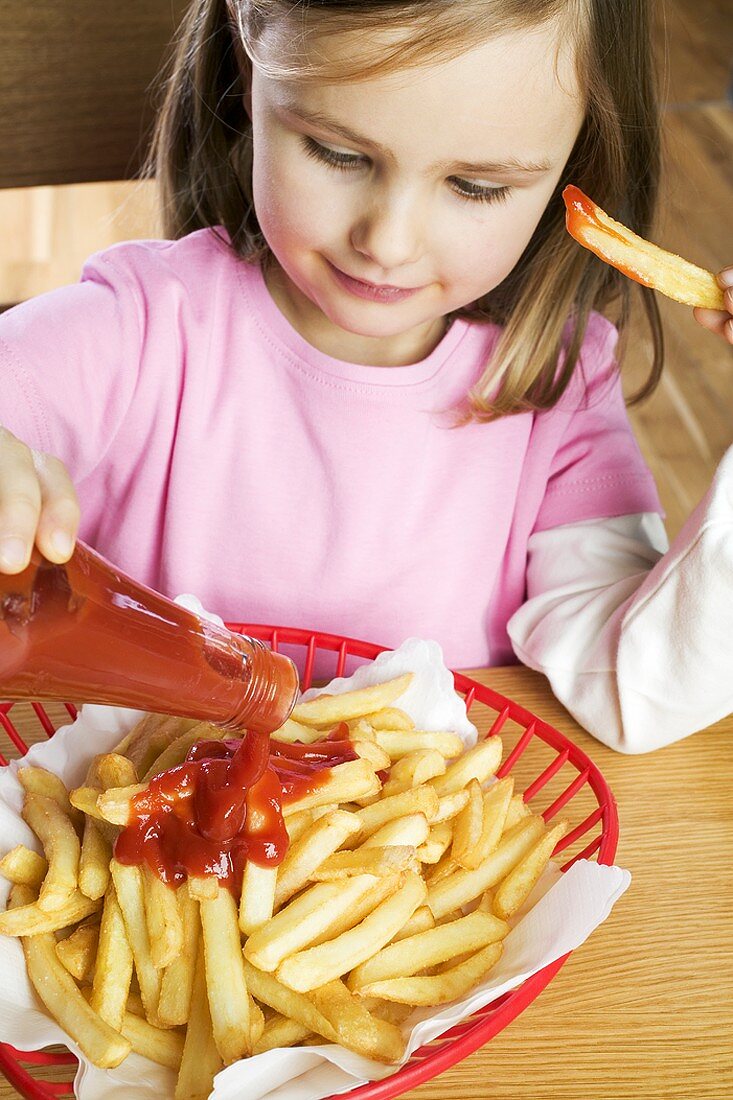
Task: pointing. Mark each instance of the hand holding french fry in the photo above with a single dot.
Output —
(720, 321)
(710, 295)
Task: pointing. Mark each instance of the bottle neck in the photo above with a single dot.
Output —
(269, 684)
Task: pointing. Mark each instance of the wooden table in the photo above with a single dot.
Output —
(644, 1009)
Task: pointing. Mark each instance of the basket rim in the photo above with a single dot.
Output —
(487, 1022)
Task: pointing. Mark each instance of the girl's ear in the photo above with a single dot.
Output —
(243, 62)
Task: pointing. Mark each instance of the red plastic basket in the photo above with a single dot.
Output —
(546, 765)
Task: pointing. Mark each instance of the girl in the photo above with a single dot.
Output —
(366, 387)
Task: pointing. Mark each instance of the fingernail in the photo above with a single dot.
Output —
(61, 543)
(12, 553)
(725, 277)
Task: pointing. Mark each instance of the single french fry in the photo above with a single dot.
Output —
(361, 730)
(176, 987)
(35, 780)
(412, 829)
(280, 1031)
(165, 927)
(201, 1060)
(296, 1006)
(412, 770)
(113, 770)
(516, 887)
(384, 888)
(203, 887)
(518, 810)
(357, 1028)
(31, 920)
(437, 945)
(225, 982)
(23, 866)
(256, 1023)
(445, 866)
(468, 825)
(496, 806)
(163, 1047)
(318, 841)
(463, 886)
(438, 989)
(420, 921)
(115, 804)
(293, 731)
(175, 753)
(85, 799)
(78, 951)
(258, 896)
(329, 709)
(399, 743)
(390, 718)
(61, 848)
(298, 823)
(638, 258)
(391, 1011)
(130, 896)
(113, 971)
(420, 800)
(449, 806)
(477, 763)
(370, 750)
(486, 904)
(438, 842)
(309, 915)
(96, 853)
(315, 966)
(344, 783)
(378, 861)
(103, 1046)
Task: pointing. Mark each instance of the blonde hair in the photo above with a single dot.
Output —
(202, 153)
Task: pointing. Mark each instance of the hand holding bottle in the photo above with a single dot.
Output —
(38, 504)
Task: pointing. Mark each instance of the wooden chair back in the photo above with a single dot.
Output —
(75, 87)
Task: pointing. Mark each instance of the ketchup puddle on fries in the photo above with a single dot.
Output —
(223, 806)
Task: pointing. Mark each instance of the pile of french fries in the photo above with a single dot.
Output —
(392, 894)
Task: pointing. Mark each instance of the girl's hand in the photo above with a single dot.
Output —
(38, 504)
(718, 320)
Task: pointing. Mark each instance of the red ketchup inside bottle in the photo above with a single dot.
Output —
(85, 632)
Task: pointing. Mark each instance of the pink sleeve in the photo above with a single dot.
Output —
(69, 361)
(597, 469)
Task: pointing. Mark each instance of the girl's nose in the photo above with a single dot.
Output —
(389, 232)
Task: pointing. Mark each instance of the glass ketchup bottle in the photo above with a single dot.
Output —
(85, 632)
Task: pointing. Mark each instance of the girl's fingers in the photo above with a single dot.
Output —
(20, 503)
(720, 320)
(58, 522)
(716, 320)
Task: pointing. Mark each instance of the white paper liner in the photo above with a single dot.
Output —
(570, 907)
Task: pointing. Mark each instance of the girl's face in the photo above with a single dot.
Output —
(431, 181)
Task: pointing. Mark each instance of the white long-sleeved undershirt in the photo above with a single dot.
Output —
(635, 636)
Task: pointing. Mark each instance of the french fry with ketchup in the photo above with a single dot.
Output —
(399, 870)
(641, 260)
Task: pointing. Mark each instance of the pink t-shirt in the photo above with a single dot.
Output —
(215, 451)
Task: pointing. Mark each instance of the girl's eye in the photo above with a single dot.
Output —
(330, 156)
(470, 190)
(345, 161)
